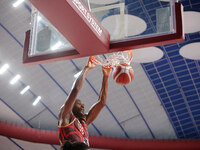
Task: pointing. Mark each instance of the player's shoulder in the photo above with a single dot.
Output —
(63, 122)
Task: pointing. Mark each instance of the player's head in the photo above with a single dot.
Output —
(74, 146)
(78, 108)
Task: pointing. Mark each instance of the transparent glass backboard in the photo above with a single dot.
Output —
(46, 38)
(123, 19)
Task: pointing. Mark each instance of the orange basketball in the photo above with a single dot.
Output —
(123, 74)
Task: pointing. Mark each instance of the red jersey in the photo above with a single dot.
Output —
(75, 131)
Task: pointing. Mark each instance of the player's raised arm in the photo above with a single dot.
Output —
(97, 107)
(66, 109)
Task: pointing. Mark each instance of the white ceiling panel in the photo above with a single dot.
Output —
(33, 146)
(92, 130)
(107, 125)
(118, 95)
(44, 121)
(6, 144)
(136, 128)
(15, 144)
(7, 115)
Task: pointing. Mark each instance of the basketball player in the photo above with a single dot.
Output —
(73, 122)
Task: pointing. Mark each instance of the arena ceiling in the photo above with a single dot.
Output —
(162, 102)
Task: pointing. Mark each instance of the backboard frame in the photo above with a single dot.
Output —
(135, 43)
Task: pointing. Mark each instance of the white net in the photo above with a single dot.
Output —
(114, 59)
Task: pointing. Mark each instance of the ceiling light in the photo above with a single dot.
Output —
(25, 89)
(77, 74)
(191, 51)
(15, 79)
(4, 68)
(17, 3)
(56, 46)
(147, 54)
(191, 21)
(36, 100)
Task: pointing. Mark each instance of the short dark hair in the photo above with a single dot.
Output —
(74, 146)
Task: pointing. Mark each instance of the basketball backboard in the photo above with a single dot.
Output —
(67, 29)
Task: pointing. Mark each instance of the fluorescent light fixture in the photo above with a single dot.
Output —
(56, 46)
(15, 79)
(4, 68)
(25, 89)
(17, 3)
(36, 100)
(77, 74)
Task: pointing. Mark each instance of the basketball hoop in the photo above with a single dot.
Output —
(113, 60)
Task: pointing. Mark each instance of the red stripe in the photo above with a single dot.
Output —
(70, 129)
(63, 130)
(73, 127)
(80, 135)
(60, 130)
(70, 134)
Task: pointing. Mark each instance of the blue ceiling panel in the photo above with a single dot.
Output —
(178, 63)
(166, 100)
(168, 77)
(182, 73)
(177, 102)
(183, 111)
(163, 96)
(165, 72)
(171, 93)
(191, 98)
(185, 121)
(187, 88)
(186, 83)
(184, 78)
(196, 113)
(193, 92)
(195, 75)
(196, 118)
(172, 87)
(152, 5)
(165, 67)
(185, 3)
(186, 126)
(155, 76)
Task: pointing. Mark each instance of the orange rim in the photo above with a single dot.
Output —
(131, 55)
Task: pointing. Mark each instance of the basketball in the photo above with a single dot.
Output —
(123, 74)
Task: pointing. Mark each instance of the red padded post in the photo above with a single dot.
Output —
(51, 137)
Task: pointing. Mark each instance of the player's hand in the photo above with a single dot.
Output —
(106, 71)
(91, 64)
